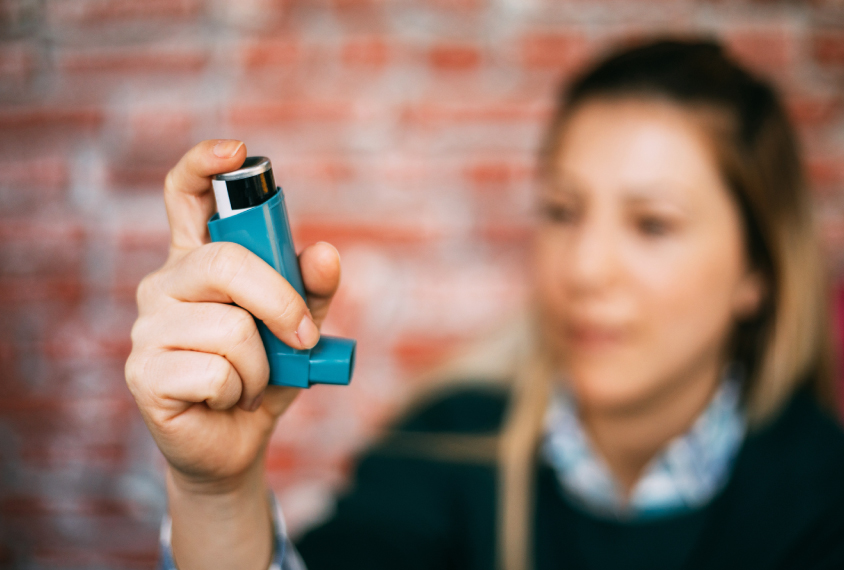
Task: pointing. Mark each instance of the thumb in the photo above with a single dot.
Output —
(187, 191)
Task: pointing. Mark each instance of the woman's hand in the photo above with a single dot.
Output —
(198, 370)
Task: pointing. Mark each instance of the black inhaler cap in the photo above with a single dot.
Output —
(250, 185)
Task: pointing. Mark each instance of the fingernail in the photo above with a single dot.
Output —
(307, 332)
(256, 403)
(227, 148)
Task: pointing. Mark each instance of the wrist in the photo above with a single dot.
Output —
(206, 487)
(220, 524)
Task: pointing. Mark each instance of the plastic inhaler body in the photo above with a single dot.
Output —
(264, 230)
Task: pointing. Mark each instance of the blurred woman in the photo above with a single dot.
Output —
(668, 404)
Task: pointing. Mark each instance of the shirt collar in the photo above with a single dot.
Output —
(687, 474)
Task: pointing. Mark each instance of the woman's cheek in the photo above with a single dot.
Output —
(688, 314)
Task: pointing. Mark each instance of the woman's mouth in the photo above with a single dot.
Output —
(592, 336)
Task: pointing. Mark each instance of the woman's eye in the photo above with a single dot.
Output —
(652, 226)
(558, 213)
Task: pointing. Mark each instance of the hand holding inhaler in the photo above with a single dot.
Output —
(199, 371)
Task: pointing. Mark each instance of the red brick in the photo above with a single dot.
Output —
(57, 431)
(456, 5)
(27, 290)
(17, 61)
(502, 190)
(342, 231)
(768, 49)
(35, 248)
(291, 111)
(80, 541)
(161, 133)
(132, 265)
(128, 240)
(270, 52)
(255, 16)
(137, 176)
(150, 59)
(34, 505)
(814, 109)
(366, 52)
(155, 141)
(49, 406)
(27, 373)
(34, 229)
(436, 114)
(561, 51)
(104, 338)
(106, 457)
(831, 232)
(354, 5)
(58, 439)
(84, 344)
(40, 261)
(15, 13)
(26, 116)
(283, 458)
(454, 57)
(498, 172)
(37, 173)
(505, 233)
(329, 170)
(88, 558)
(825, 170)
(416, 354)
(62, 12)
(7, 351)
(828, 47)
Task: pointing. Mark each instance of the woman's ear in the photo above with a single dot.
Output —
(750, 293)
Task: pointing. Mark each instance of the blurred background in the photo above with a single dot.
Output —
(404, 132)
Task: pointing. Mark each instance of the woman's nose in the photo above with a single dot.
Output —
(595, 263)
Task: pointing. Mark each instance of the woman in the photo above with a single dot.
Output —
(670, 411)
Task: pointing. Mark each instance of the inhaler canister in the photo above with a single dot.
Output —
(252, 213)
(247, 187)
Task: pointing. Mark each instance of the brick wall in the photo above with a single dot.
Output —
(403, 132)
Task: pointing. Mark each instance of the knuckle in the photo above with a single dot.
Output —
(217, 372)
(135, 372)
(240, 328)
(130, 370)
(148, 289)
(224, 260)
(143, 291)
(147, 329)
(137, 333)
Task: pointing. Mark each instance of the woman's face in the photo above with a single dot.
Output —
(641, 269)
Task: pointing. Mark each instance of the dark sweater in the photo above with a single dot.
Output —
(782, 508)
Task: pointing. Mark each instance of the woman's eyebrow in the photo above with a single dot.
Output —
(659, 194)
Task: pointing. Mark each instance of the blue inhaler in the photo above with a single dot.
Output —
(251, 212)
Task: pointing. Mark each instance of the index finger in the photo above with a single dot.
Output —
(187, 191)
(225, 272)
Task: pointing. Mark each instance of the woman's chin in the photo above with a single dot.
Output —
(608, 390)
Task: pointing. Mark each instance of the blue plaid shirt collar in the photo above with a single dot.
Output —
(688, 473)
